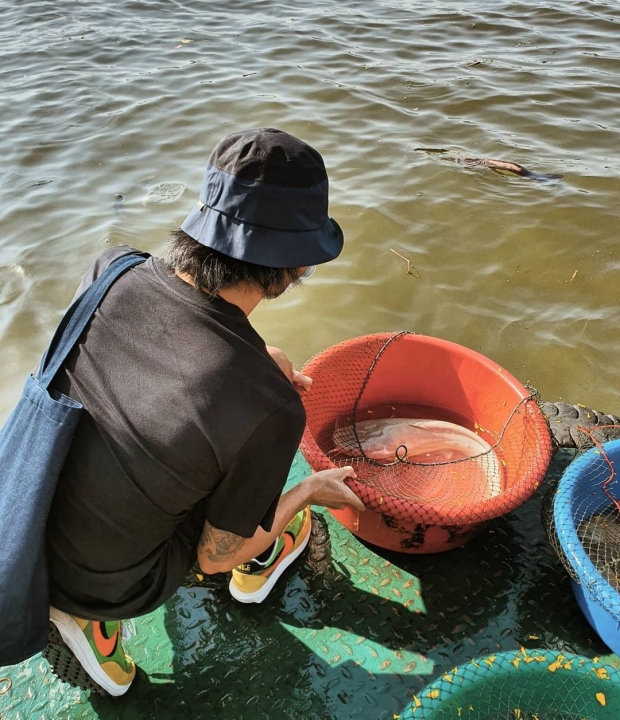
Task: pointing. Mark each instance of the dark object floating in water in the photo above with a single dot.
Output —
(118, 204)
(498, 166)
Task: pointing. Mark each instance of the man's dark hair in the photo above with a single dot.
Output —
(211, 271)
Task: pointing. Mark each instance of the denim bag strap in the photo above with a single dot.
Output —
(79, 315)
(34, 443)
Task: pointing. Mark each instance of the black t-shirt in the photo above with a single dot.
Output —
(186, 418)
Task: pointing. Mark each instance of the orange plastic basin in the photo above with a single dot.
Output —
(443, 381)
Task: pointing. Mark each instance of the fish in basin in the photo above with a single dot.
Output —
(419, 441)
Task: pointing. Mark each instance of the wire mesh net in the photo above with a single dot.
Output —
(434, 432)
(581, 514)
(522, 685)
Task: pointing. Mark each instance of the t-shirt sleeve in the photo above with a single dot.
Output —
(248, 495)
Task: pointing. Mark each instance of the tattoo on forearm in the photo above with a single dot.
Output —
(218, 545)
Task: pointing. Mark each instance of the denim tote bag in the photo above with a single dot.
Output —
(34, 443)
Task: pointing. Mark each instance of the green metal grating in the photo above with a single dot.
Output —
(347, 633)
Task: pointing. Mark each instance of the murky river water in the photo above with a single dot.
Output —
(99, 99)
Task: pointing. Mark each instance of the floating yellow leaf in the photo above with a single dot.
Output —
(601, 673)
(433, 694)
(516, 662)
(416, 701)
(490, 660)
(601, 698)
(554, 666)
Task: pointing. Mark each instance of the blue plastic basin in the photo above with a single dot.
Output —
(579, 496)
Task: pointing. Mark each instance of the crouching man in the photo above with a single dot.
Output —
(191, 422)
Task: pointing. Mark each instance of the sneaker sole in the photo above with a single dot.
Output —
(260, 595)
(71, 634)
(66, 666)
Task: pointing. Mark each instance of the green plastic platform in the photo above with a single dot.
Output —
(349, 632)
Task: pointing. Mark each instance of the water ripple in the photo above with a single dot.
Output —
(105, 99)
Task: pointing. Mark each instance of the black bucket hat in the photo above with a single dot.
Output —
(264, 200)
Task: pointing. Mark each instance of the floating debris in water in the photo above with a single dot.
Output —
(411, 269)
(117, 206)
(502, 167)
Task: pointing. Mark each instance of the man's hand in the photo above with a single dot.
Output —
(300, 381)
(221, 551)
(329, 489)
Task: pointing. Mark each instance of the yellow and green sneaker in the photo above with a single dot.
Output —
(253, 581)
(98, 648)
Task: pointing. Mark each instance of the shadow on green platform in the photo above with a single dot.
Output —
(350, 632)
